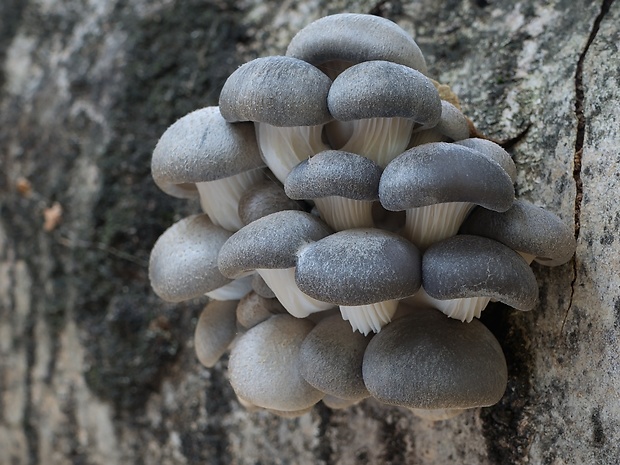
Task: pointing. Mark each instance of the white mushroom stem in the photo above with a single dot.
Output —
(234, 290)
(282, 148)
(465, 309)
(367, 318)
(426, 225)
(282, 283)
(342, 213)
(220, 198)
(380, 139)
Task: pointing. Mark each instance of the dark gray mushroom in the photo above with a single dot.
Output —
(427, 361)
(287, 98)
(452, 125)
(537, 234)
(438, 184)
(263, 199)
(364, 271)
(494, 152)
(385, 101)
(342, 185)
(215, 331)
(462, 273)
(202, 154)
(269, 245)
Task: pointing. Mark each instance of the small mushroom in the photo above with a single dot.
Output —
(215, 331)
(427, 361)
(254, 309)
(183, 262)
(264, 369)
(438, 184)
(335, 42)
(452, 125)
(342, 185)
(202, 154)
(330, 359)
(336, 403)
(494, 152)
(364, 271)
(462, 273)
(269, 245)
(262, 200)
(385, 101)
(287, 99)
(534, 232)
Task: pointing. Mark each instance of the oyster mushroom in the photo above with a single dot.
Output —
(438, 184)
(342, 185)
(287, 99)
(262, 200)
(215, 331)
(201, 154)
(364, 271)
(452, 125)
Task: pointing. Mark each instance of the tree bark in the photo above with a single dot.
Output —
(95, 369)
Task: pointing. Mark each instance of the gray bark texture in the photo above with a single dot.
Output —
(95, 369)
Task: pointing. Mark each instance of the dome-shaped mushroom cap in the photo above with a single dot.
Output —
(202, 146)
(472, 266)
(270, 242)
(355, 38)
(426, 360)
(254, 309)
(264, 199)
(441, 172)
(331, 357)
(183, 263)
(264, 369)
(359, 267)
(525, 228)
(375, 89)
(334, 172)
(453, 123)
(280, 91)
(215, 330)
(494, 152)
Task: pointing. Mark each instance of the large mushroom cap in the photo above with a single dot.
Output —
(183, 263)
(280, 91)
(355, 38)
(201, 146)
(525, 228)
(215, 330)
(471, 266)
(426, 360)
(442, 172)
(359, 267)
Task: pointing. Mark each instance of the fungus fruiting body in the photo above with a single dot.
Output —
(349, 224)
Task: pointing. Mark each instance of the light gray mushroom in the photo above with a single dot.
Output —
(336, 403)
(269, 245)
(385, 101)
(535, 233)
(438, 184)
(364, 271)
(215, 331)
(263, 365)
(254, 309)
(263, 199)
(343, 186)
(462, 273)
(330, 359)
(183, 262)
(202, 154)
(287, 99)
(261, 288)
(452, 125)
(335, 42)
(427, 361)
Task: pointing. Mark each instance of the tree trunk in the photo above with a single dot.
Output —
(95, 369)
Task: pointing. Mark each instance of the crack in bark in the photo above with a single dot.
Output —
(579, 141)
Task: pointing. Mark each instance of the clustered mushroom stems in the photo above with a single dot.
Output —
(316, 287)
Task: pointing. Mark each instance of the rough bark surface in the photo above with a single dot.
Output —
(94, 369)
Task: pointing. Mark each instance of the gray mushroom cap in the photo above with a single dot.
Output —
(441, 172)
(525, 228)
(280, 91)
(355, 38)
(330, 359)
(471, 266)
(494, 152)
(201, 146)
(254, 309)
(264, 199)
(452, 124)
(334, 173)
(271, 242)
(426, 360)
(215, 331)
(359, 267)
(183, 262)
(375, 89)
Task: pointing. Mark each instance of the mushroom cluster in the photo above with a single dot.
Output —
(352, 231)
